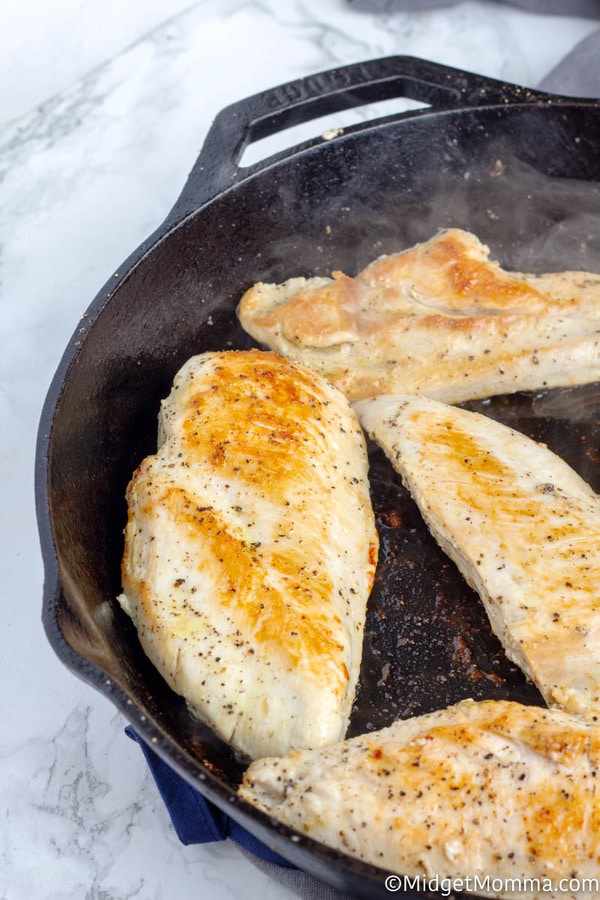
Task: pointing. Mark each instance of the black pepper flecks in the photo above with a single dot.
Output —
(428, 642)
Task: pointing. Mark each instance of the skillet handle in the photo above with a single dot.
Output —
(281, 107)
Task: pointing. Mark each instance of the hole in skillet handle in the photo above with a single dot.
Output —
(423, 86)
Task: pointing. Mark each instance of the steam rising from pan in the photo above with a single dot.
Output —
(532, 220)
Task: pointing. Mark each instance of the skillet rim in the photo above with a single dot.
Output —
(191, 204)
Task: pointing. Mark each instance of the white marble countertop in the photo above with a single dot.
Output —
(102, 120)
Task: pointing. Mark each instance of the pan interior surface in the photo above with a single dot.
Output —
(526, 181)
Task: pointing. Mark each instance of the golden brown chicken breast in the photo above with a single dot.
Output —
(521, 525)
(250, 550)
(440, 319)
(490, 797)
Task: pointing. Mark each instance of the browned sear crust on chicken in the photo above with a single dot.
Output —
(439, 319)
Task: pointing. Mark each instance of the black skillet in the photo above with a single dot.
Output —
(519, 168)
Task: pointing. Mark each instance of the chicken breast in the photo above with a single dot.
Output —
(440, 319)
(522, 527)
(250, 550)
(498, 798)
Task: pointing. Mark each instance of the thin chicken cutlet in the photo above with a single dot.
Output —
(250, 550)
(502, 796)
(440, 319)
(522, 527)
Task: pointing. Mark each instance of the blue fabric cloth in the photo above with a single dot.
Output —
(195, 819)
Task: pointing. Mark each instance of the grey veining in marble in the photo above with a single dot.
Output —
(85, 175)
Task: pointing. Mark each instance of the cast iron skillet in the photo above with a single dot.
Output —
(519, 168)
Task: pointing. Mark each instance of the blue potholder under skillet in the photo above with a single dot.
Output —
(196, 820)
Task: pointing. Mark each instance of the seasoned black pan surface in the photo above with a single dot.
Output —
(519, 169)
